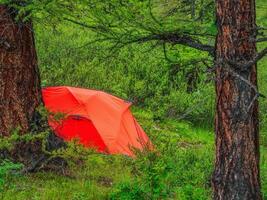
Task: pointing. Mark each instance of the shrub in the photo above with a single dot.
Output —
(175, 169)
(128, 191)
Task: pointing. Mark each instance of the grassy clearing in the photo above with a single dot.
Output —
(190, 165)
(181, 170)
(90, 182)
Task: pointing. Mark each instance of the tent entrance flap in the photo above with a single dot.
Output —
(82, 129)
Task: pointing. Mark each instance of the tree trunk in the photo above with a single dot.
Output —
(20, 91)
(236, 175)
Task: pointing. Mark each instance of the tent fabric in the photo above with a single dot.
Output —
(97, 119)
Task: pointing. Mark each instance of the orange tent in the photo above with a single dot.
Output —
(99, 120)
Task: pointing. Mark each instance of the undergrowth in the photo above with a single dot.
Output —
(179, 167)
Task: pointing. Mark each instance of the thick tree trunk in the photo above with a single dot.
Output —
(236, 175)
(20, 91)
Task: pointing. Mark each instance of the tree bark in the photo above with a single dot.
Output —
(20, 91)
(236, 175)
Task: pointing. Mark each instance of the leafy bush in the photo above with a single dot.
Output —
(176, 170)
(128, 191)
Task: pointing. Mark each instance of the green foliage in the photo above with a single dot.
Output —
(8, 143)
(178, 169)
(7, 169)
(182, 157)
(128, 191)
(68, 58)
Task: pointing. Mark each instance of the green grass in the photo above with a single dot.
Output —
(100, 174)
(183, 169)
(90, 182)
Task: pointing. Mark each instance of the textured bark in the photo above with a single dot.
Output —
(236, 175)
(20, 91)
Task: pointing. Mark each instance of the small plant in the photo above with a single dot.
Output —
(79, 196)
(128, 191)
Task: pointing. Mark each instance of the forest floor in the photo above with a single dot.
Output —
(101, 176)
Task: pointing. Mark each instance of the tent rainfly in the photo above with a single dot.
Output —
(97, 119)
